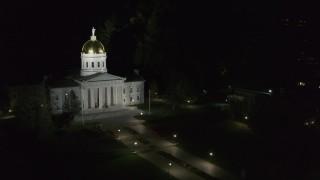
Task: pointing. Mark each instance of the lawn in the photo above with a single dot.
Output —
(75, 153)
(236, 148)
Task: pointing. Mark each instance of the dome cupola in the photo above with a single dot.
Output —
(93, 46)
(93, 57)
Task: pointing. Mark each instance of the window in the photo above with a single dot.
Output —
(130, 98)
(87, 64)
(98, 64)
(124, 99)
(57, 97)
(130, 89)
(58, 108)
(92, 64)
(138, 98)
(124, 90)
(102, 64)
(138, 89)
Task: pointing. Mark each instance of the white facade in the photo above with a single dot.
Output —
(97, 90)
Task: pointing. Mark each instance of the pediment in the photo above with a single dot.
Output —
(105, 77)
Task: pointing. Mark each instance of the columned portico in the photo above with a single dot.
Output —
(97, 91)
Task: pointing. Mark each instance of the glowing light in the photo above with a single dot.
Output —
(170, 164)
(226, 100)
(119, 130)
(188, 101)
(135, 143)
(246, 117)
(175, 136)
(270, 90)
(141, 114)
(301, 83)
(10, 111)
(211, 154)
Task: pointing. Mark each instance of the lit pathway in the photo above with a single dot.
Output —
(150, 153)
(149, 150)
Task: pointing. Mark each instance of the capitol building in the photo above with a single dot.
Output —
(96, 89)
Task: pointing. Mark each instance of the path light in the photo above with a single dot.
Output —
(169, 167)
(211, 154)
(175, 138)
(118, 136)
(135, 144)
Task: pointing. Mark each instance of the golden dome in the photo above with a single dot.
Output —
(93, 47)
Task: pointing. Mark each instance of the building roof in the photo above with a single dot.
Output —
(63, 83)
(100, 76)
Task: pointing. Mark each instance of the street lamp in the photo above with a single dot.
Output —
(210, 154)
(118, 137)
(169, 167)
(175, 138)
(135, 144)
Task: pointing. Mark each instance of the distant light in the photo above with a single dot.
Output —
(175, 136)
(41, 105)
(270, 90)
(301, 83)
(10, 111)
(246, 117)
(226, 100)
(66, 94)
(312, 122)
(306, 123)
(155, 93)
(135, 143)
(132, 100)
(119, 130)
(211, 154)
(188, 101)
(229, 86)
(169, 164)
(141, 114)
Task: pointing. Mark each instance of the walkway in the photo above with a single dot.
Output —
(148, 145)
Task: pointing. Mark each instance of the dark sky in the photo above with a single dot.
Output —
(43, 37)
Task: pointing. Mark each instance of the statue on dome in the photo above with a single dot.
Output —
(93, 31)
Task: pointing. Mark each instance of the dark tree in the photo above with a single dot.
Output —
(30, 104)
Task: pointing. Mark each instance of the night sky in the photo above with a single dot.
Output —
(46, 37)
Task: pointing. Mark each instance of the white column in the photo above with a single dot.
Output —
(92, 98)
(109, 95)
(100, 98)
(85, 99)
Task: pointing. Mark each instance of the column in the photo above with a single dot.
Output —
(84, 99)
(100, 98)
(92, 98)
(109, 95)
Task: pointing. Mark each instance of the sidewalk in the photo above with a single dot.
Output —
(150, 152)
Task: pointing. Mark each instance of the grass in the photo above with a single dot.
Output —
(75, 153)
(282, 155)
(202, 130)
